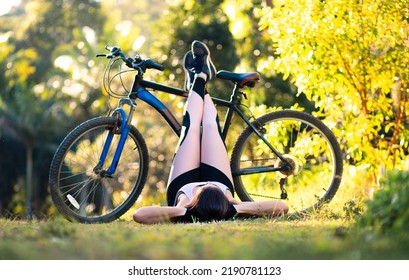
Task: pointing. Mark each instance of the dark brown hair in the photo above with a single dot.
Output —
(210, 204)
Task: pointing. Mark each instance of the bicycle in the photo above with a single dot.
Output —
(100, 168)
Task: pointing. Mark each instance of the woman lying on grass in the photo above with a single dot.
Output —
(200, 186)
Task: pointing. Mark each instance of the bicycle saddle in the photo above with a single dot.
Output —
(241, 79)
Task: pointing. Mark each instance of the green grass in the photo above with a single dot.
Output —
(249, 239)
(327, 235)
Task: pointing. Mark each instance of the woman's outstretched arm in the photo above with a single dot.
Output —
(269, 208)
(157, 214)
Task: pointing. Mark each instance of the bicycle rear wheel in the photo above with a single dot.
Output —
(86, 196)
(306, 143)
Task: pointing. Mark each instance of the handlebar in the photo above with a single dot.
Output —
(136, 63)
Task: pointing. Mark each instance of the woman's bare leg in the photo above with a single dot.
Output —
(214, 151)
(187, 155)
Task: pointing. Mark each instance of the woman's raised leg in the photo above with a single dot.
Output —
(187, 155)
(186, 162)
(214, 154)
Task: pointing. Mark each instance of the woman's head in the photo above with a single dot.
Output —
(209, 203)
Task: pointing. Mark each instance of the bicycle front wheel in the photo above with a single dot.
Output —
(304, 142)
(87, 196)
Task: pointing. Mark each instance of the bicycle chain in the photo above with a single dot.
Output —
(263, 196)
(258, 159)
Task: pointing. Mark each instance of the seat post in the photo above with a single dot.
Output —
(235, 97)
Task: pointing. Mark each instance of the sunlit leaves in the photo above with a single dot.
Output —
(351, 59)
(21, 66)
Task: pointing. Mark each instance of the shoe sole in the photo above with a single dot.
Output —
(188, 64)
(202, 49)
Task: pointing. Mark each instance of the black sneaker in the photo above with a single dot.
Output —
(188, 66)
(202, 61)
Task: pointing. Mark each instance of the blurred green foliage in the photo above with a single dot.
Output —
(389, 208)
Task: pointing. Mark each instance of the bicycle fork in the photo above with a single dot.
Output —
(123, 130)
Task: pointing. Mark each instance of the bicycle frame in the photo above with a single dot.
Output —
(140, 91)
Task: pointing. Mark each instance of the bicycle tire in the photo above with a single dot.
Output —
(307, 143)
(82, 195)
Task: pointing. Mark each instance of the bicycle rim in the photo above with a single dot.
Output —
(306, 143)
(82, 194)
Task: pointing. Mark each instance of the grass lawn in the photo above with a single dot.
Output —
(317, 239)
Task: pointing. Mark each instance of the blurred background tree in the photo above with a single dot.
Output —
(48, 87)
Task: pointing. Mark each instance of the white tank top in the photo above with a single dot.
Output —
(188, 189)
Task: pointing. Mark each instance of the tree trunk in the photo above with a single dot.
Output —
(269, 3)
